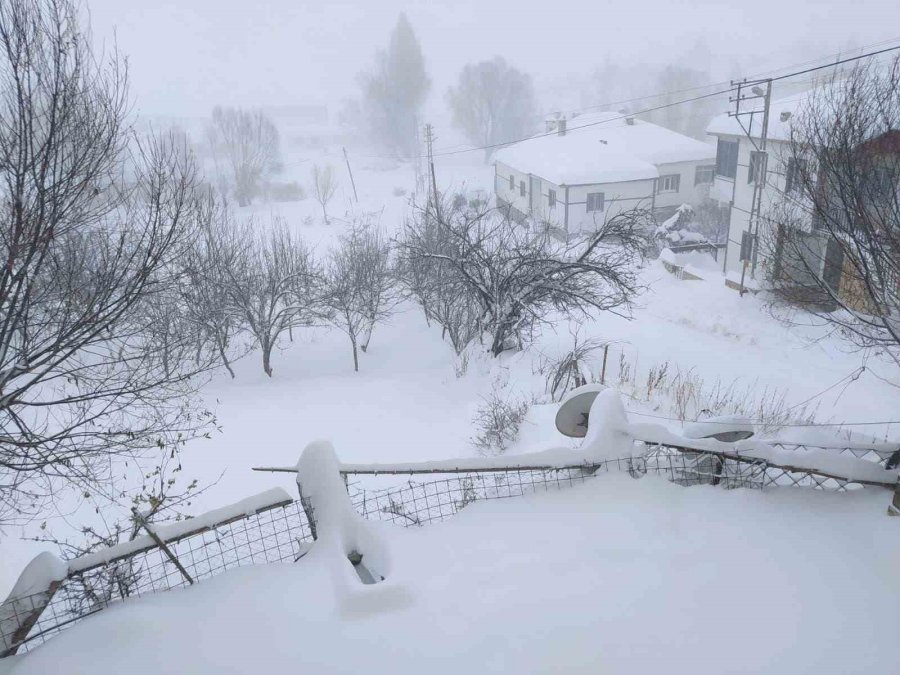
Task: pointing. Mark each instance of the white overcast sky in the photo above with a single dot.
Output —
(187, 55)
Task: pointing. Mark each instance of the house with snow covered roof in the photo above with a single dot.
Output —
(590, 167)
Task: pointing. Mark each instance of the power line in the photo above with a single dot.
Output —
(759, 75)
(692, 99)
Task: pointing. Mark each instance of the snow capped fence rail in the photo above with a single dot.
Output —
(269, 527)
(272, 527)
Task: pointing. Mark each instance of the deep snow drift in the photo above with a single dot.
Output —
(617, 575)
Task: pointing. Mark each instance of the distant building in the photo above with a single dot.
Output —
(737, 162)
(737, 144)
(589, 167)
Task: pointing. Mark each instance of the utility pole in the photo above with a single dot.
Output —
(429, 144)
(758, 163)
(350, 171)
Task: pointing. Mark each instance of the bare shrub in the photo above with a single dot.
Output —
(498, 421)
(324, 187)
(572, 369)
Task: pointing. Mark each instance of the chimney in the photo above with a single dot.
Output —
(629, 121)
(561, 127)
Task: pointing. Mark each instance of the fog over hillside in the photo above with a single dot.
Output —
(186, 56)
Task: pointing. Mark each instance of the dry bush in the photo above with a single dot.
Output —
(687, 396)
(571, 370)
(497, 422)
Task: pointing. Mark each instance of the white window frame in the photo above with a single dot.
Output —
(512, 183)
(522, 188)
(551, 198)
(595, 202)
(665, 180)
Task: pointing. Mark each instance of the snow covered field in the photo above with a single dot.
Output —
(617, 575)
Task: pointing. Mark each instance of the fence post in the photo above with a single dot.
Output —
(894, 506)
(162, 545)
(28, 599)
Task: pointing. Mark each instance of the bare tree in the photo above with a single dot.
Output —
(493, 103)
(394, 91)
(833, 238)
(360, 284)
(273, 283)
(246, 143)
(324, 187)
(94, 223)
(207, 268)
(518, 275)
(435, 285)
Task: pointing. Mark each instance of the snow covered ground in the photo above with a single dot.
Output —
(620, 575)
(613, 576)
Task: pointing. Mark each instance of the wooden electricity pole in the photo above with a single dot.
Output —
(350, 171)
(429, 144)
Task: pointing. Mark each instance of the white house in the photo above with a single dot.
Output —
(737, 158)
(589, 167)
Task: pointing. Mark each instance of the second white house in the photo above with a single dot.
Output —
(590, 167)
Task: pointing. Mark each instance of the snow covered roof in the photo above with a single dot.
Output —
(603, 148)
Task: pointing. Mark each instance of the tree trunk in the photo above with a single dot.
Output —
(266, 345)
(224, 358)
(355, 354)
(367, 337)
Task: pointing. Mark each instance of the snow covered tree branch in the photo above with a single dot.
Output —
(518, 275)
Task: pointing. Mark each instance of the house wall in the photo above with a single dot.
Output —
(688, 193)
(738, 193)
(617, 197)
(502, 172)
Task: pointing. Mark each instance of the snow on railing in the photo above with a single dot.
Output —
(51, 593)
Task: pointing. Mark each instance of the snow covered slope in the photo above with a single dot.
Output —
(614, 576)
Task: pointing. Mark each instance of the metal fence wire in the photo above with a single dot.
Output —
(278, 534)
(421, 502)
(282, 533)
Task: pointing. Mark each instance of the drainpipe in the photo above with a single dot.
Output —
(567, 211)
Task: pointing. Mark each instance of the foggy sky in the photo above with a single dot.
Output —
(187, 55)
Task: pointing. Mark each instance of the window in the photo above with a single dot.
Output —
(551, 198)
(756, 170)
(704, 174)
(512, 182)
(521, 188)
(595, 201)
(793, 174)
(670, 183)
(880, 185)
(726, 158)
(747, 246)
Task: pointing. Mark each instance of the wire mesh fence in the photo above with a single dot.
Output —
(278, 534)
(282, 532)
(422, 502)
